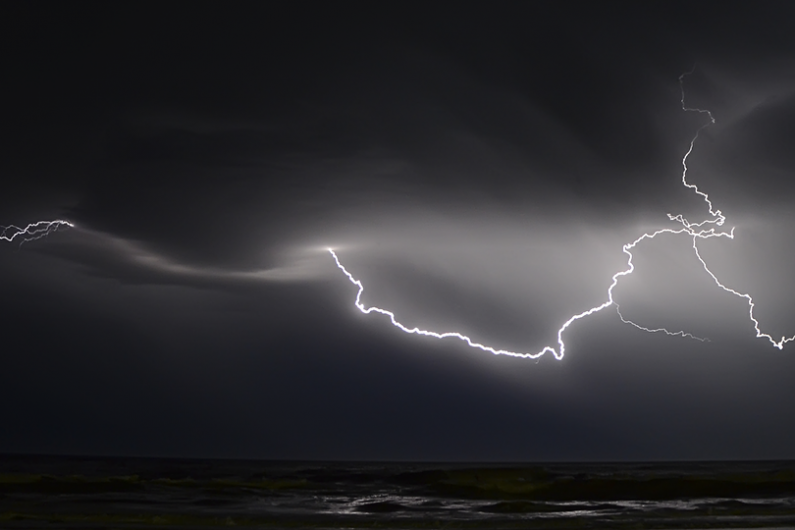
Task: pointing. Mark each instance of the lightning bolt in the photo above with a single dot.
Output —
(706, 229)
(33, 231)
(717, 219)
(560, 351)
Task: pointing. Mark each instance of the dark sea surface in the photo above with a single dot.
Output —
(78, 492)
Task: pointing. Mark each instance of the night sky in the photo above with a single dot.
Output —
(478, 168)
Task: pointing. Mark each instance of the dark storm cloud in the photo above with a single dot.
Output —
(478, 169)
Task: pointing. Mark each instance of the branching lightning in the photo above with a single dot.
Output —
(717, 219)
(708, 228)
(33, 231)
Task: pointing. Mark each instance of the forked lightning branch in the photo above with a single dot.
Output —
(711, 226)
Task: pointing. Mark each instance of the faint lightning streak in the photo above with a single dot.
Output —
(33, 231)
(695, 230)
(627, 248)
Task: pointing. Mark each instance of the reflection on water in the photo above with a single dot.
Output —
(59, 492)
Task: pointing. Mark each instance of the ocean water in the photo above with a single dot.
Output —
(72, 492)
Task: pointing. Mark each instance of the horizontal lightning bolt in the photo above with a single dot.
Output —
(560, 351)
(33, 231)
(703, 230)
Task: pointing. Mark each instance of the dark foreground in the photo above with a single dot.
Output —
(58, 492)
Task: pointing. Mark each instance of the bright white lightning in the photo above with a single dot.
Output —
(33, 231)
(694, 230)
(558, 353)
(717, 219)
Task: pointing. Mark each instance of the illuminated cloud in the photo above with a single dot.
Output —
(711, 227)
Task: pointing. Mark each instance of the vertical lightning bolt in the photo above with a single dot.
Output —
(706, 229)
(717, 219)
(32, 231)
